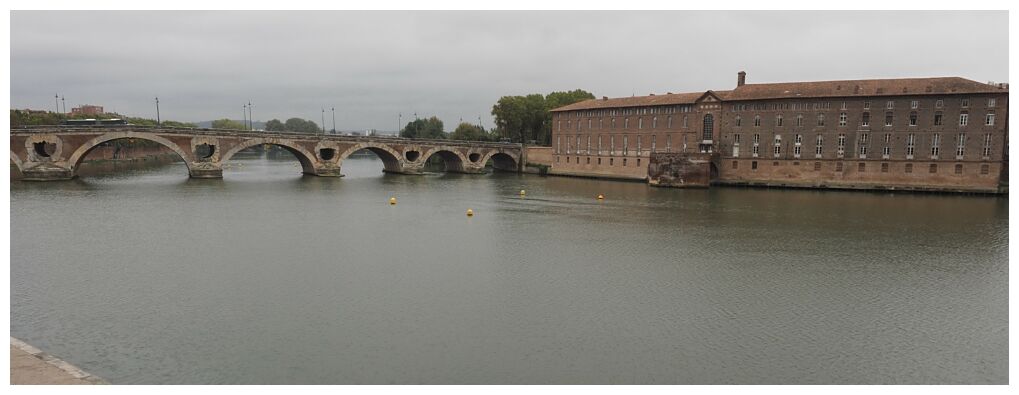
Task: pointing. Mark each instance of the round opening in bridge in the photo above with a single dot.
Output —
(205, 151)
(45, 149)
(474, 157)
(412, 155)
(327, 153)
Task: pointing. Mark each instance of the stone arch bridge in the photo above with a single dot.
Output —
(55, 153)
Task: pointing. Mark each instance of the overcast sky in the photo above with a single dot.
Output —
(373, 65)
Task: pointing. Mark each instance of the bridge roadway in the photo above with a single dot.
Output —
(47, 153)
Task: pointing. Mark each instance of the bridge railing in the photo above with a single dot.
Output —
(253, 133)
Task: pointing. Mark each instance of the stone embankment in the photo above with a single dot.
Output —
(30, 365)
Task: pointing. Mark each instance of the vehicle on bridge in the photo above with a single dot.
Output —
(94, 122)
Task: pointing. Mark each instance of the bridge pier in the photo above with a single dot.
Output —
(45, 172)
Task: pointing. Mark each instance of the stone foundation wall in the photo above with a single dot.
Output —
(680, 170)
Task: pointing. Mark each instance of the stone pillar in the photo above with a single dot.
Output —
(45, 172)
(206, 170)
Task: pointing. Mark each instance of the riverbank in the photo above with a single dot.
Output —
(30, 365)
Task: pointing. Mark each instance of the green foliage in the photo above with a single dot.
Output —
(430, 128)
(274, 125)
(28, 118)
(227, 124)
(300, 125)
(527, 118)
(468, 132)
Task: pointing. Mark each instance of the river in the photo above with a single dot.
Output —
(270, 277)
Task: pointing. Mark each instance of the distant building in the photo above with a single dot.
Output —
(911, 133)
(87, 109)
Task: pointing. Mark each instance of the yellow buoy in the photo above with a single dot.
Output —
(601, 197)
(523, 192)
(392, 200)
(470, 213)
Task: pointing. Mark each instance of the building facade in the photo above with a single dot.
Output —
(87, 109)
(946, 134)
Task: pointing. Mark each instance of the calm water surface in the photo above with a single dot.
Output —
(266, 276)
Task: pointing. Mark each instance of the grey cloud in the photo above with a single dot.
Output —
(373, 65)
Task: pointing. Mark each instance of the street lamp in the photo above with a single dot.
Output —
(251, 119)
(64, 104)
(323, 120)
(56, 100)
(334, 120)
(157, 112)
(244, 109)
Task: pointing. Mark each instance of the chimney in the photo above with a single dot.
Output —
(742, 79)
(604, 98)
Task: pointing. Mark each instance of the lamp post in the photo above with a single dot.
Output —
(251, 119)
(323, 120)
(158, 121)
(399, 122)
(245, 112)
(334, 120)
(56, 100)
(64, 104)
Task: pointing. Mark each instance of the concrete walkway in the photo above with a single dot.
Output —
(29, 365)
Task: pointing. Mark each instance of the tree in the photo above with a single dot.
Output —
(430, 128)
(301, 126)
(468, 132)
(274, 125)
(520, 118)
(227, 124)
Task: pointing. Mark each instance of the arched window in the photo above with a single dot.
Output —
(709, 126)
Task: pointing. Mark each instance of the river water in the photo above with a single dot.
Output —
(146, 276)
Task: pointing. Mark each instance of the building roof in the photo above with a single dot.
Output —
(635, 101)
(851, 88)
(814, 89)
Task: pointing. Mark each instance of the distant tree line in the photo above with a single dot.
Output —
(293, 125)
(33, 118)
(529, 118)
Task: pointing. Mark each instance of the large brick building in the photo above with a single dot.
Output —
(914, 133)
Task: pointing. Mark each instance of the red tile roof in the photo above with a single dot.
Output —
(815, 89)
(851, 88)
(653, 100)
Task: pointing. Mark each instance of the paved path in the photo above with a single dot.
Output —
(29, 365)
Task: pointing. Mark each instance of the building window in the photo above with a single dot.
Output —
(709, 126)
(937, 118)
(910, 143)
(884, 167)
(817, 166)
(960, 148)
(866, 105)
(668, 143)
(985, 169)
(624, 162)
(558, 144)
(601, 123)
(914, 104)
(626, 123)
(599, 161)
(934, 168)
(863, 145)
(735, 164)
(820, 119)
(818, 146)
(684, 121)
(640, 123)
(963, 119)
(965, 103)
(861, 167)
(653, 143)
(909, 167)
(866, 119)
(669, 122)
(841, 145)
(654, 123)
(613, 123)
(626, 147)
(796, 150)
(912, 118)
(842, 119)
(935, 145)
(757, 120)
(843, 106)
(753, 165)
(992, 102)
(889, 117)
(939, 103)
(799, 120)
(958, 169)
(889, 104)
(739, 121)
(838, 166)
(989, 119)
(778, 120)
(987, 145)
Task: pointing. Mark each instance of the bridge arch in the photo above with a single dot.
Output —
(390, 158)
(501, 161)
(79, 154)
(306, 158)
(454, 160)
